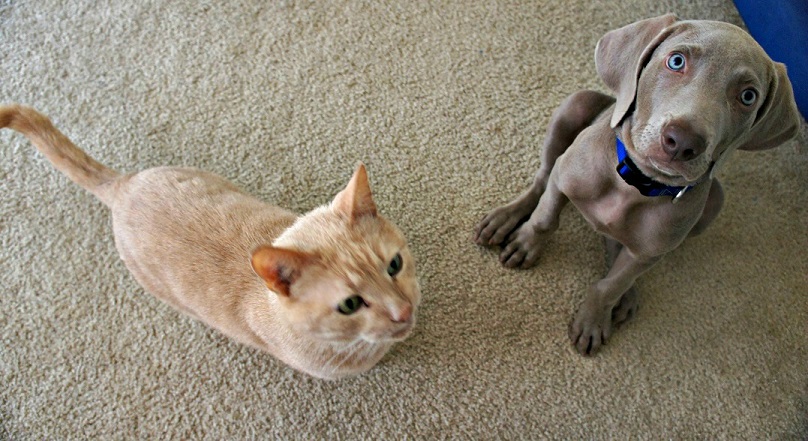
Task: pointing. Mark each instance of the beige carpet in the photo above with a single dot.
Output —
(447, 103)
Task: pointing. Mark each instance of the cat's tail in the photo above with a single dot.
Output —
(60, 151)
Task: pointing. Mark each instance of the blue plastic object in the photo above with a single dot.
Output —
(781, 27)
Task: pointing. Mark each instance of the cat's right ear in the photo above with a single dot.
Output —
(356, 200)
(279, 267)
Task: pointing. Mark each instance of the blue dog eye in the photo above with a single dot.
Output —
(748, 97)
(676, 61)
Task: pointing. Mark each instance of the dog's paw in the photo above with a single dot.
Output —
(498, 224)
(523, 248)
(590, 328)
(626, 309)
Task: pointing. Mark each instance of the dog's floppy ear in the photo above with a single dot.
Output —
(778, 119)
(621, 55)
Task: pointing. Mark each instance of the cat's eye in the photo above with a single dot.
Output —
(676, 62)
(350, 305)
(748, 97)
(395, 265)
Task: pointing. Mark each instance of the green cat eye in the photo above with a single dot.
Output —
(395, 265)
(350, 305)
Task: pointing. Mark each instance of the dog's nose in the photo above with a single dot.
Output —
(681, 142)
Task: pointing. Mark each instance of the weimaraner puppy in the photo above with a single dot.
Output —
(641, 168)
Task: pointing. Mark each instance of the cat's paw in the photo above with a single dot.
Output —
(591, 327)
(523, 248)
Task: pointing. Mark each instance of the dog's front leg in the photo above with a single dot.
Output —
(523, 247)
(501, 221)
(570, 118)
(592, 324)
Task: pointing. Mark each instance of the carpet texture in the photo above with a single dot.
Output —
(446, 102)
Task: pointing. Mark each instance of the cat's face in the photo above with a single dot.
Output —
(361, 284)
(343, 273)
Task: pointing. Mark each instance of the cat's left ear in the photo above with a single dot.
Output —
(280, 267)
(356, 200)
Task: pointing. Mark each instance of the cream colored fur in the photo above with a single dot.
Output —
(260, 274)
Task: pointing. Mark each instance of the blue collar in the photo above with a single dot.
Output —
(647, 186)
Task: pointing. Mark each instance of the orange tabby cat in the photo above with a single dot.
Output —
(341, 279)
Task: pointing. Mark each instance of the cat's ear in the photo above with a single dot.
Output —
(356, 200)
(279, 267)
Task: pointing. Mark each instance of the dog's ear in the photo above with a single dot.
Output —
(621, 55)
(778, 119)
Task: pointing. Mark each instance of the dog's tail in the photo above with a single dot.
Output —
(60, 151)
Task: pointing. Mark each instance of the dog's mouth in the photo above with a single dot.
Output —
(666, 172)
(655, 163)
(670, 173)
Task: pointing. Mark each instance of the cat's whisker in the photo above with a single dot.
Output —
(333, 357)
(352, 351)
(366, 352)
(350, 347)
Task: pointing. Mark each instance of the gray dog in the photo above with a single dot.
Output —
(640, 168)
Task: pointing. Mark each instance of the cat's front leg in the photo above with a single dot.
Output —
(523, 247)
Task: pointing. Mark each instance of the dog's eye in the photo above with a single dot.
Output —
(676, 61)
(350, 305)
(748, 97)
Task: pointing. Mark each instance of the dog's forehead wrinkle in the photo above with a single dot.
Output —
(745, 76)
(688, 46)
(717, 39)
(712, 30)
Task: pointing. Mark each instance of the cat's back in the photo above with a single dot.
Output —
(193, 200)
(186, 235)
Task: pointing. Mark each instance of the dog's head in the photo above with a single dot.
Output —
(691, 92)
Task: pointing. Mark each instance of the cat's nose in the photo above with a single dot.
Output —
(402, 315)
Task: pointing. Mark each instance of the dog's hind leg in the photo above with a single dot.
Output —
(570, 118)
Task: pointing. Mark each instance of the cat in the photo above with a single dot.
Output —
(328, 293)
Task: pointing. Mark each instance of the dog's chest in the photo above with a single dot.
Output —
(593, 191)
(645, 226)
(607, 215)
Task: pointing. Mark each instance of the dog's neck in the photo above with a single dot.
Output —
(632, 175)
